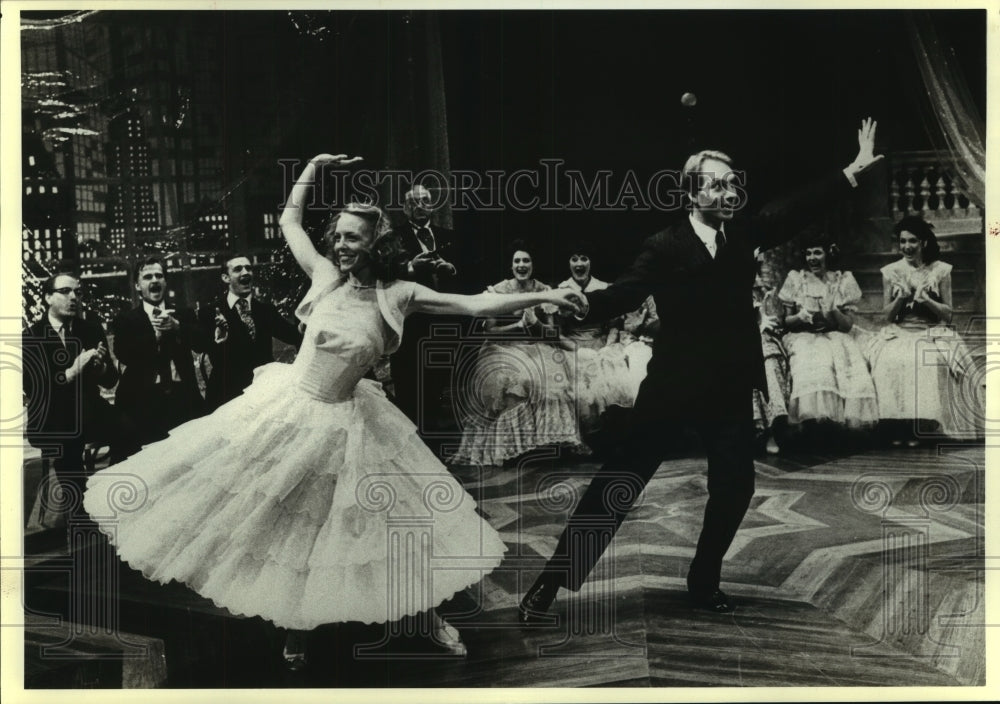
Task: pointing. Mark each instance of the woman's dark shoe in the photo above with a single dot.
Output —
(535, 604)
(294, 651)
(294, 662)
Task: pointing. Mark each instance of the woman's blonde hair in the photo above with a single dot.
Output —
(386, 250)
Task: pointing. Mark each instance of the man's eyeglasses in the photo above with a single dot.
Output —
(66, 290)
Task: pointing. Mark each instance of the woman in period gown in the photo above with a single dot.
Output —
(829, 374)
(519, 394)
(921, 367)
(638, 330)
(286, 501)
(599, 362)
(770, 413)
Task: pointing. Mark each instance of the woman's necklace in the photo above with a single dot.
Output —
(357, 284)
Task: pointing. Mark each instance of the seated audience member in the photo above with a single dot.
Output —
(598, 364)
(770, 412)
(520, 395)
(919, 364)
(829, 376)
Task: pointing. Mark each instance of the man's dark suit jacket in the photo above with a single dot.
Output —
(136, 347)
(57, 410)
(418, 389)
(446, 246)
(707, 354)
(234, 359)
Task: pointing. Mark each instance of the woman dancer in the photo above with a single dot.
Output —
(520, 393)
(920, 366)
(281, 503)
(830, 378)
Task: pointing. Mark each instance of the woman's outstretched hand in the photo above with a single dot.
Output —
(568, 299)
(336, 159)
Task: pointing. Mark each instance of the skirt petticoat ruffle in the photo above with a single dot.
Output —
(519, 398)
(300, 511)
(927, 375)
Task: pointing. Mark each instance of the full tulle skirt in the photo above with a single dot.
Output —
(298, 510)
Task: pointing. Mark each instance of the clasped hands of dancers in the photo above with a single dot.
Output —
(294, 545)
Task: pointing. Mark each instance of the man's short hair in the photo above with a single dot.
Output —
(49, 285)
(148, 261)
(418, 192)
(227, 257)
(693, 166)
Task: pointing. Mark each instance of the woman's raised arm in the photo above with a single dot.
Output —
(291, 217)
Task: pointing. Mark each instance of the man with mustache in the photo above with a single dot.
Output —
(418, 389)
(158, 387)
(237, 332)
(705, 364)
(66, 362)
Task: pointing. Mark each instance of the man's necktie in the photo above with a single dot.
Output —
(425, 238)
(720, 241)
(163, 366)
(156, 314)
(243, 308)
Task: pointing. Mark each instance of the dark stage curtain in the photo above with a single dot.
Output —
(955, 124)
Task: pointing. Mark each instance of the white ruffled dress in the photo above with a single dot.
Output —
(309, 499)
(923, 370)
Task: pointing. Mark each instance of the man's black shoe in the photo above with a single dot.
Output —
(716, 601)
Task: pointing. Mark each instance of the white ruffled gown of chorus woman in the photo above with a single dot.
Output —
(829, 375)
(283, 503)
(519, 397)
(922, 369)
(605, 373)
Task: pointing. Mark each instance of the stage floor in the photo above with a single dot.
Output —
(862, 569)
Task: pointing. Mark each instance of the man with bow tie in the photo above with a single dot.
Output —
(237, 331)
(427, 247)
(158, 387)
(706, 361)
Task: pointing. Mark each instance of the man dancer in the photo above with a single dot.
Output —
(704, 366)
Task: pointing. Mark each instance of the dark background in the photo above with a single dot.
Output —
(782, 92)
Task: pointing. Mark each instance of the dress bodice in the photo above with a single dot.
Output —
(903, 278)
(806, 290)
(346, 334)
(590, 334)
